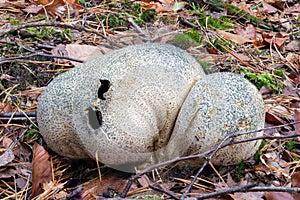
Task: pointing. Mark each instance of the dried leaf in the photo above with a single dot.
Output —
(96, 187)
(295, 9)
(234, 37)
(294, 59)
(6, 107)
(34, 9)
(268, 8)
(83, 52)
(60, 50)
(278, 196)
(248, 32)
(294, 45)
(41, 169)
(6, 142)
(273, 119)
(178, 6)
(7, 157)
(275, 38)
(144, 181)
(297, 118)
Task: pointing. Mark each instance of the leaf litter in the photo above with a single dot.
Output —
(243, 47)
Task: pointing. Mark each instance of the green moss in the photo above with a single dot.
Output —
(221, 23)
(32, 133)
(205, 66)
(241, 168)
(280, 73)
(258, 154)
(150, 197)
(266, 79)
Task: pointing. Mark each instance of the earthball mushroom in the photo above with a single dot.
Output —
(121, 107)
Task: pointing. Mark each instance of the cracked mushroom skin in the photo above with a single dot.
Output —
(220, 104)
(121, 106)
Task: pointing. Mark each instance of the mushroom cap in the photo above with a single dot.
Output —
(217, 105)
(146, 85)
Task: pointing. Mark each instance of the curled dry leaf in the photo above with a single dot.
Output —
(248, 32)
(6, 157)
(41, 169)
(144, 181)
(275, 38)
(295, 9)
(296, 182)
(297, 118)
(278, 196)
(268, 8)
(293, 46)
(57, 7)
(234, 37)
(96, 187)
(84, 52)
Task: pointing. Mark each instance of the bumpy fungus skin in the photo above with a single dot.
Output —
(136, 112)
(220, 104)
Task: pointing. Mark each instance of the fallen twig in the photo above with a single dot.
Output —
(243, 188)
(55, 24)
(248, 188)
(163, 191)
(201, 155)
(17, 116)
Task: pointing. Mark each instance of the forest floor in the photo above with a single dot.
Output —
(40, 39)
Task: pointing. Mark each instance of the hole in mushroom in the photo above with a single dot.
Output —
(94, 118)
(104, 87)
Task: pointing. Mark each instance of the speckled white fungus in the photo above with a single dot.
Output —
(122, 105)
(220, 104)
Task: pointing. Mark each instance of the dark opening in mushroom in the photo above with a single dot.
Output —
(94, 118)
(104, 87)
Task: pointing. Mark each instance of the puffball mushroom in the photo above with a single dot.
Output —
(220, 104)
(120, 107)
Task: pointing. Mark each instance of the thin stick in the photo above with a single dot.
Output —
(150, 168)
(163, 191)
(249, 188)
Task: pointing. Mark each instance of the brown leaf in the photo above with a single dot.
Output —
(290, 90)
(7, 157)
(294, 45)
(34, 9)
(6, 107)
(248, 32)
(294, 59)
(6, 142)
(41, 169)
(84, 52)
(296, 179)
(234, 37)
(144, 181)
(295, 9)
(297, 118)
(278, 196)
(96, 187)
(268, 8)
(60, 50)
(275, 38)
(273, 119)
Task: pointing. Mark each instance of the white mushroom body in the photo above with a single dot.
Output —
(220, 104)
(147, 86)
(123, 107)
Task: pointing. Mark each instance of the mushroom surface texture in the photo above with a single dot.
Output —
(145, 104)
(121, 107)
(220, 104)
